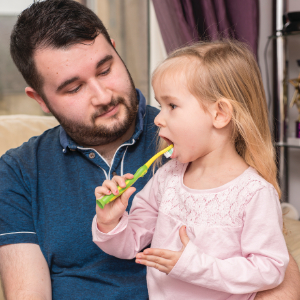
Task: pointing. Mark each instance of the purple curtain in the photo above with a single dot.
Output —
(176, 22)
(185, 21)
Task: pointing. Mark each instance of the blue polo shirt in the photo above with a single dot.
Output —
(47, 198)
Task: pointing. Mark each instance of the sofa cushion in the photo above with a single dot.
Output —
(17, 129)
(292, 238)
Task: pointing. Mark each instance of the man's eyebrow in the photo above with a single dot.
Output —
(104, 60)
(99, 64)
(65, 83)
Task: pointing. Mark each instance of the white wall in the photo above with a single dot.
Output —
(294, 70)
(157, 49)
(13, 7)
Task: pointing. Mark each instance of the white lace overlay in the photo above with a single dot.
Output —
(223, 208)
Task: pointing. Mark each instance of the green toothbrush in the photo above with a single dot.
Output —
(139, 173)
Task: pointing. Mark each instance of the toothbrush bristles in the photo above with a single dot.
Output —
(168, 153)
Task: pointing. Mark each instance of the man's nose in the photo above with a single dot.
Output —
(100, 93)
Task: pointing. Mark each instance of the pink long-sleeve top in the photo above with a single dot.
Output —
(236, 245)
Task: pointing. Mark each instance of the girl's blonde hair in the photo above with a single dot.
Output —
(228, 69)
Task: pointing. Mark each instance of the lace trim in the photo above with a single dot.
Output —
(224, 208)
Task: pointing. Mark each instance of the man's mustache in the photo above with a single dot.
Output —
(105, 108)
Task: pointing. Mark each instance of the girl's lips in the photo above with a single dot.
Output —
(169, 143)
(167, 140)
(173, 153)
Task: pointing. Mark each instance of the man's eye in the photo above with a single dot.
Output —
(173, 105)
(75, 90)
(105, 72)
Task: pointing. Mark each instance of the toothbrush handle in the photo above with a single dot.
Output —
(129, 182)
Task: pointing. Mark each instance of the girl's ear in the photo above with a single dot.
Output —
(222, 113)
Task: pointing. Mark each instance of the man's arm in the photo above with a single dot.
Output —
(289, 289)
(24, 272)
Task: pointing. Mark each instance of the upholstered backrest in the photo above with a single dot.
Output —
(17, 129)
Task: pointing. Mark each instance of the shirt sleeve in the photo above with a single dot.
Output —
(264, 253)
(134, 231)
(16, 222)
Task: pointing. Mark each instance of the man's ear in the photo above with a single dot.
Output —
(222, 113)
(30, 92)
(113, 42)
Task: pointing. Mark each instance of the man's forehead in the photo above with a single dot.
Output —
(98, 45)
(70, 60)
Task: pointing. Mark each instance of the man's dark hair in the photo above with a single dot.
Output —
(51, 23)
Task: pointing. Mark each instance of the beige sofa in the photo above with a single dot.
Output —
(16, 129)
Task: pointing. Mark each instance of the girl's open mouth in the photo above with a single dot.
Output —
(167, 140)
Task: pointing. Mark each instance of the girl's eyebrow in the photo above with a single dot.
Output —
(167, 97)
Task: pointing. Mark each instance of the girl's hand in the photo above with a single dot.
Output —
(109, 217)
(161, 259)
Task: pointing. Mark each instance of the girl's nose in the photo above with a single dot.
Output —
(159, 120)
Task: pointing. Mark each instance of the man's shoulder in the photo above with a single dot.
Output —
(151, 111)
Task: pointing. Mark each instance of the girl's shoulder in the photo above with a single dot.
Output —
(252, 176)
(251, 183)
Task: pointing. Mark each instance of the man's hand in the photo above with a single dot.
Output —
(109, 217)
(161, 259)
(289, 289)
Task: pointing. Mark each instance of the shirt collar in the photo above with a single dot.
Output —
(66, 141)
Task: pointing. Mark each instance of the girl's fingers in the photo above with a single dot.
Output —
(126, 195)
(111, 186)
(164, 253)
(128, 176)
(121, 180)
(100, 191)
(161, 267)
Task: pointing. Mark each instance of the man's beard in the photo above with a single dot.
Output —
(97, 135)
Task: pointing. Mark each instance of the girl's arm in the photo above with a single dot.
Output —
(264, 256)
(264, 253)
(133, 232)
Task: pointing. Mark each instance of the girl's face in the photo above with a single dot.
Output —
(182, 120)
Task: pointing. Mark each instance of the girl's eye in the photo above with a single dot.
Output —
(75, 90)
(173, 105)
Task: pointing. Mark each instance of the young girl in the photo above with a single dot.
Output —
(212, 213)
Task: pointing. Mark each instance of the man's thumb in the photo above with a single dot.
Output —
(183, 236)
